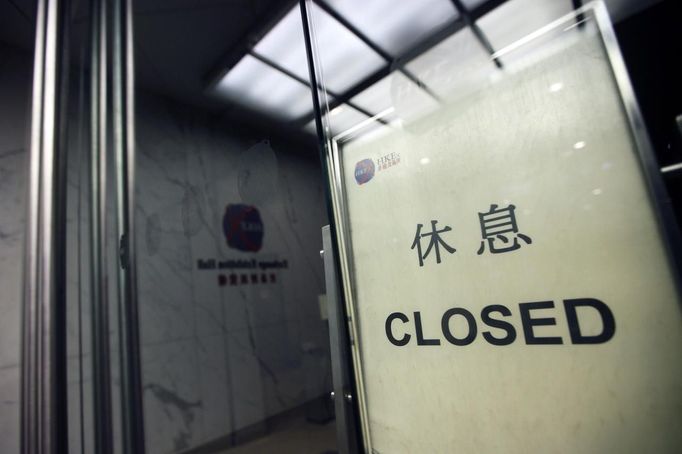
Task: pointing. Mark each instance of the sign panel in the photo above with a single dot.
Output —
(512, 291)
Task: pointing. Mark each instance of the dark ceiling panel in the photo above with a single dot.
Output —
(17, 23)
(178, 42)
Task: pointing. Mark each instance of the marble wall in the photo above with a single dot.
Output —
(15, 79)
(217, 358)
(220, 358)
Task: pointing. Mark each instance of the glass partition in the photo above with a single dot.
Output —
(509, 266)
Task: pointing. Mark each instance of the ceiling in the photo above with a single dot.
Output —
(181, 45)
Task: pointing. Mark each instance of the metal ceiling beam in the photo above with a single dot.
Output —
(374, 46)
(580, 18)
(478, 33)
(243, 46)
(276, 66)
(418, 49)
(246, 45)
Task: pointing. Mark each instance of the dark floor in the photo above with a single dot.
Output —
(295, 435)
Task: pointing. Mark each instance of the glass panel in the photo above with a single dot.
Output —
(347, 60)
(517, 18)
(230, 205)
(344, 118)
(396, 29)
(498, 245)
(455, 67)
(380, 96)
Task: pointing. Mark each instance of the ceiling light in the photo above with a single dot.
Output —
(262, 88)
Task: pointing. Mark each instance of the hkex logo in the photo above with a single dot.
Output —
(243, 227)
(364, 171)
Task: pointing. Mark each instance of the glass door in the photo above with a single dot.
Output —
(508, 259)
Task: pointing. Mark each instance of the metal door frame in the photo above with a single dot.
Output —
(44, 417)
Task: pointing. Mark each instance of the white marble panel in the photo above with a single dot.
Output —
(164, 257)
(9, 410)
(172, 396)
(213, 383)
(247, 376)
(12, 193)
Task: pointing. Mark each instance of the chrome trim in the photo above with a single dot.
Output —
(101, 388)
(346, 259)
(124, 150)
(325, 146)
(337, 343)
(39, 422)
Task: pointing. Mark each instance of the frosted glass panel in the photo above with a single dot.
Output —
(454, 67)
(380, 96)
(345, 117)
(511, 288)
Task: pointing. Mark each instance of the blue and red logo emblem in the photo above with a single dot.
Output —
(243, 227)
(364, 171)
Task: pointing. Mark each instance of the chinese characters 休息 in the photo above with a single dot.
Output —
(498, 225)
(435, 241)
(499, 231)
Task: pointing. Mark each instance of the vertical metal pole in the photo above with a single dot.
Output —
(124, 149)
(100, 310)
(40, 362)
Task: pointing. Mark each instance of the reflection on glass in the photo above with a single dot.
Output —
(516, 19)
(256, 85)
(396, 28)
(455, 67)
(346, 61)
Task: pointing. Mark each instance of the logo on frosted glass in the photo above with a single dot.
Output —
(364, 171)
(388, 161)
(243, 227)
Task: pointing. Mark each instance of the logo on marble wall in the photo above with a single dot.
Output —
(243, 227)
(364, 171)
